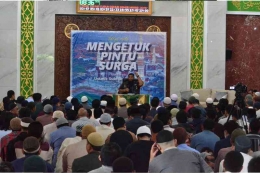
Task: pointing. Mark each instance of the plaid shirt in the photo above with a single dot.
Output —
(4, 142)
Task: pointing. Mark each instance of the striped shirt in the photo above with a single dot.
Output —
(5, 140)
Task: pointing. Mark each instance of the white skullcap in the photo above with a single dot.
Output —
(209, 100)
(167, 100)
(69, 98)
(103, 103)
(257, 94)
(196, 95)
(84, 99)
(174, 97)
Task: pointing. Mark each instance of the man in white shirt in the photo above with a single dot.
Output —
(257, 108)
(103, 105)
(49, 128)
(84, 120)
(253, 165)
(223, 120)
(165, 117)
(104, 129)
(233, 162)
(242, 145)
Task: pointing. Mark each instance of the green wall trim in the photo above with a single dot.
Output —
(243, 6)
(197, 30)
(27, 48)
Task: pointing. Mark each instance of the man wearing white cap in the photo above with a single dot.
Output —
(49, 128)
(122, 111)
(84, 102)
(209, 101)
(210, 106)
(69, 98)
(257, 94)
(196, 95)
(167, 102)
(174, 99)
(139, 151)
(103, 105)
(105, 128)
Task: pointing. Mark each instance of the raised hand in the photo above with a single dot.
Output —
(153, 151)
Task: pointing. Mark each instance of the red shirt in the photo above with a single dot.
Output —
(188, 108)
(4, 142)
(41, 114)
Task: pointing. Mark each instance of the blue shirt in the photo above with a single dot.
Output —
(174, 103)
(152, 112)
(135, 123)
(196, 125)
(18, 164)
(57, 137)
(85, 121)
(187, 148)
(204, 139)
(224, 143)
(202, 110)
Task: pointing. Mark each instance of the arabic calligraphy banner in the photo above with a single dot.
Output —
(244, 6)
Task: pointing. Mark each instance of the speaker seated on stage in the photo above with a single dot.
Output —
(131, 85)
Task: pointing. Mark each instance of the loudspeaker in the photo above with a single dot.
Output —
(228, 54)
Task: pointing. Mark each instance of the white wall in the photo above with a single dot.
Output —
(45, 23)
(179, 41)
(8, 47)
(215, 59)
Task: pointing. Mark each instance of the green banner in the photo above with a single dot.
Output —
(141, 98)
(27, 48)
(197, 30)
(244, 6)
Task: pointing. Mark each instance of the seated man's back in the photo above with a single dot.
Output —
(206, 138)
(136, 120)
(172, 159)
(175, 160)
